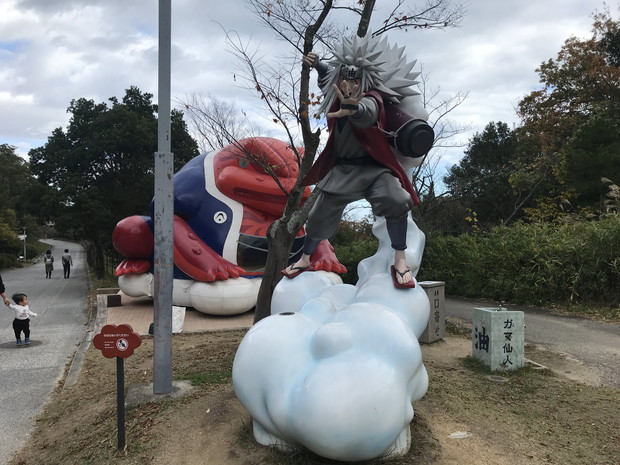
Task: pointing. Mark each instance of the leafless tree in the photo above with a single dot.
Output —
(216, 122)
(446, 130)
(433, 14)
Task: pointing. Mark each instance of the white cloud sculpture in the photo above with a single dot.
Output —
(336, 367)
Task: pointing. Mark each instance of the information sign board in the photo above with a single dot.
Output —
(117, 341)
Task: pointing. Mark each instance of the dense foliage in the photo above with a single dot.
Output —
(483, 175)
(538, 263)
(20, 206)
(574, 118)
(102, 166)
(352, 243)
(568, 140)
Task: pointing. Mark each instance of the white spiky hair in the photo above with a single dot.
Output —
(383, 67)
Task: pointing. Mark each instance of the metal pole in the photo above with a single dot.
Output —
(163, 216)
(24, 244)
(120, 402)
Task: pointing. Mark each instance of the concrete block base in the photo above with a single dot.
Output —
(436, 328)
(498, 338)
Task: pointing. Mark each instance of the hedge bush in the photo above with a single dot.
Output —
(352, 253)
(531, 263)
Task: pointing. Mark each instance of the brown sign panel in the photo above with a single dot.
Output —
(117, 341)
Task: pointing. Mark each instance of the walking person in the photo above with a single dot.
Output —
(48, 259)
(21, 323)
(67, 263)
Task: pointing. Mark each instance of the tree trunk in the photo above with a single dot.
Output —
(362, 29)
(99, 262)
(279, 241)
(283, 231)
(94, 257)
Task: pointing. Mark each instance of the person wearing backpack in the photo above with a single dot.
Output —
(3, 292)
(48, 259)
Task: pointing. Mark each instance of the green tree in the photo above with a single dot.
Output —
(19, 205)
(102, 166)
(581, 93)
(482, 177)
(591, 154)
(14, 177)
(581, 82)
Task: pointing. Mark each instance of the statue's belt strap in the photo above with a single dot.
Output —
(365, 160)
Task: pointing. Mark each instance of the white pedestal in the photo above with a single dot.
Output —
(498, 338)
(436, 328)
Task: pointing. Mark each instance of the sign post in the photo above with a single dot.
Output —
(120, 342)
(22, 237)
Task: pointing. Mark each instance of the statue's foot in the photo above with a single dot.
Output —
(325, 259)
(293, 271)
(404, 285)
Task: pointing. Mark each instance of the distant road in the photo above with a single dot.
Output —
(590, 343)
(28, 374)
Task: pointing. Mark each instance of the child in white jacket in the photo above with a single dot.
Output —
(22, 317)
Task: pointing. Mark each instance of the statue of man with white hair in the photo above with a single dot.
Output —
(362, 86)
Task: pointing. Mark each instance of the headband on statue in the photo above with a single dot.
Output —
(350, 71)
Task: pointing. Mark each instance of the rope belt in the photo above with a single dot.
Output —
(365, 160)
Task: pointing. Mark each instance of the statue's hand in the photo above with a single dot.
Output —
(348, 105)
(311, 59)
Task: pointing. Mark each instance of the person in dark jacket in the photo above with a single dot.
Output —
(67, 263)
(3, 293)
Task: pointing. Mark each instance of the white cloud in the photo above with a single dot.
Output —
(53, 51)
(16, 99)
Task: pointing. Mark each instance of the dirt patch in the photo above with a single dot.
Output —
(564, 365)
(532, 417)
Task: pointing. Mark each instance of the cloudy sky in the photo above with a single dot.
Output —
(53, 51)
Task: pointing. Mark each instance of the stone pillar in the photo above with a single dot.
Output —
(436, 327)
(498, 338)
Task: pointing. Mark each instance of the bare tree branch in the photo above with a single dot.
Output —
(216, 122)
(438, 108)
(435, 14)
